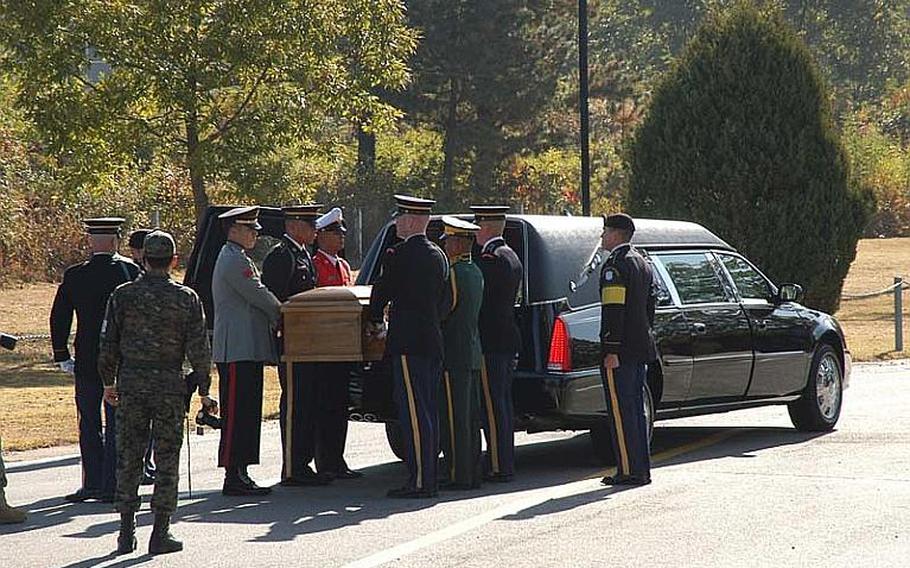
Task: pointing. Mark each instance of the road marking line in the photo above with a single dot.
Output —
(534, 497)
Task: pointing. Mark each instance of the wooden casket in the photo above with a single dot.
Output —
(329, 324)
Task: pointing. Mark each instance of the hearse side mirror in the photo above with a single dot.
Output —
(789, 293)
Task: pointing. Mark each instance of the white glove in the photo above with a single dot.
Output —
(68, 366)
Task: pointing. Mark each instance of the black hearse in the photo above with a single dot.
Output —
(728, 338)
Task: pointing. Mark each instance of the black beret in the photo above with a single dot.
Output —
(137, 238)
(619, 221)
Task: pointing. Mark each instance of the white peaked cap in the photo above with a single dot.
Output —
(333, 216)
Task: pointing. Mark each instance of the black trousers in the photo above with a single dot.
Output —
(416, 384)
(498, 421)
(240, 389)
(97, 444)
(624, 390)
(297, 417)
(332, 416)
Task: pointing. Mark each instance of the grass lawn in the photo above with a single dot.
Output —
(37, 401)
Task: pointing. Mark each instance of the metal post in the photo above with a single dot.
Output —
(898, 314)
(583, 106)
(156, 219)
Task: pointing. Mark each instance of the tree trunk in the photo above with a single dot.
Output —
(449, 148)
(366, 153)
(197, 181)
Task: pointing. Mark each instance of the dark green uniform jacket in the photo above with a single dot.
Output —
(462, 338)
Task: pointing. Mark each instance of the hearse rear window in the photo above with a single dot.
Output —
(694, 277)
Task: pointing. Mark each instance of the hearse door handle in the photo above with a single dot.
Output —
(700, 328)
(761, 324)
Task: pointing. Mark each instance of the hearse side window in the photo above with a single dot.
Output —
(663, 293)
(750, 283)
(695, 278)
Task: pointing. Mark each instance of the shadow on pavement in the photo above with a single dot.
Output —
(739, 442)
(13, 467)
(130, 561)
(291, 512)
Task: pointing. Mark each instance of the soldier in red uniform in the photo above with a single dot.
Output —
(332, 378)
(331, 269)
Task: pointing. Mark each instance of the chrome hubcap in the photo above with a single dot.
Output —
(827, 387)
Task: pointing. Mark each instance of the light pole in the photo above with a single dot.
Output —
(583, 107)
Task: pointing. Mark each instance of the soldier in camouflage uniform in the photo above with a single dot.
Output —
(150, 326)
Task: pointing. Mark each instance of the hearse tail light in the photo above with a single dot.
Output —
(560, 348)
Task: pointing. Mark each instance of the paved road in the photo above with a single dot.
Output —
(740, 489)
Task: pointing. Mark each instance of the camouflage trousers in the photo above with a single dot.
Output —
(135, 413)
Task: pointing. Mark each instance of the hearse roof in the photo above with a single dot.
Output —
(555, 247)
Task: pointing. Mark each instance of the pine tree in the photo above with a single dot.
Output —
(740, 138)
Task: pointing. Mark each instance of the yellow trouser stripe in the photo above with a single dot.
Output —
(613, 295)
(288, 420)
(451, 426)
(454, 290)
(617, 419)
(415, 425)
(491, 417)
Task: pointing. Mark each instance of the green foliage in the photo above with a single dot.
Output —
(880, 165)
(482, 73)
(228, 89)
(740, 137)
(861, 44)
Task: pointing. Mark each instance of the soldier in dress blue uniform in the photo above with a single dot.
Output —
(414, 281)
(243, 341)
(84, 291)
(499, 337)
(288, 270)
(627, 314)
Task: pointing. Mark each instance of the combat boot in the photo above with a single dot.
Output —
(162, 541)
(9, 515)
(126, 542)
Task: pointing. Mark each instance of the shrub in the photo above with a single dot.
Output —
(739, 137)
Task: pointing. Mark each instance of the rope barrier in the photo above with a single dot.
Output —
(32, 336)
(904, 286)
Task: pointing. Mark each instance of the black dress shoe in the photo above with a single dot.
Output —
(348, 474)
(251, 485)
(410, 493)
(625, 480)
(83, 495)
(307, 478)
(236, 487)
(147, 479)
(107, 497)
(498, 477)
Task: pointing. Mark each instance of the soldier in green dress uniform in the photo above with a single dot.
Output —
(460, 401)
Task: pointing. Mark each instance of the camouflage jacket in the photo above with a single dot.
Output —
(150, 326)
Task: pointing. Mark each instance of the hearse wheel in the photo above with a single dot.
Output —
(602, 442)
(819, 407)
(395, 436)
